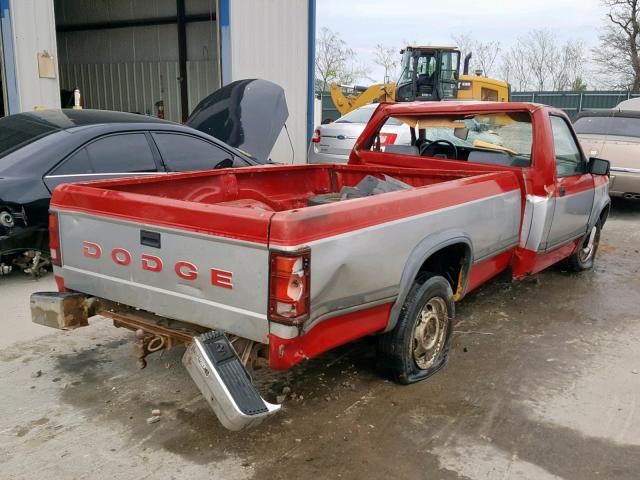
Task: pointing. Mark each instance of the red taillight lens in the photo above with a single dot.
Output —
(387, 138)
(54, 240)
(316, 136)
(289, 286)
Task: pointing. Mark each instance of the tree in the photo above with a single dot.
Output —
(335, 61)
(618, 54)
(387, 58)
(483, 54)
(537, 61)
(539, 48)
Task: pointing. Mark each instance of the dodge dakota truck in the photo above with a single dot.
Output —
(270, 266)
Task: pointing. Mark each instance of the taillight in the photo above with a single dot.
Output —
(54, 240)
(387, 138)
(316, 136)
(289, 286)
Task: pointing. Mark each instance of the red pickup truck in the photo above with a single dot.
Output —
(274, 265)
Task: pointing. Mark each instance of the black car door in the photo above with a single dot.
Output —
(110, 156)
(182, 152)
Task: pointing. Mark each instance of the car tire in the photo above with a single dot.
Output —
(418, 345)
(583, 258)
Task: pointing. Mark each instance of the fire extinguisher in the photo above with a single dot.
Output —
(160, 109)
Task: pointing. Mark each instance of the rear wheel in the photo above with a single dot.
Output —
(418, 345)
(583, 258)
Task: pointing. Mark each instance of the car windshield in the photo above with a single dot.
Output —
(16, 131)
(616, 126)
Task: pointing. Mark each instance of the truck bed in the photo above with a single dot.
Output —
(228, 220)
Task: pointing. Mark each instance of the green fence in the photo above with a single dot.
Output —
(575, 102)
(571, 102)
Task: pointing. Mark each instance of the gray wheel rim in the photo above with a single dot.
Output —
(430, 333)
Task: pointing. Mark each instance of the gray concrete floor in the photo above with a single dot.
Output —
(543, 383)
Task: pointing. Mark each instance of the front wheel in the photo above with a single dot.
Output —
(418, 345)
(583, 258)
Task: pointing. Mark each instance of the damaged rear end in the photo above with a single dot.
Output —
(174, 281)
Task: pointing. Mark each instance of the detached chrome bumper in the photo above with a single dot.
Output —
(219, 374)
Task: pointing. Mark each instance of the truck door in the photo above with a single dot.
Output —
(574, 188)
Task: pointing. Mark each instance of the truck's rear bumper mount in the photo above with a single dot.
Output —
(62, 310)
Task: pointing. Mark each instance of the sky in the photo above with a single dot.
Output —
(365, 23)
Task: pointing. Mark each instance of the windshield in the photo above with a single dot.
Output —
(617, 126)
(16, 131)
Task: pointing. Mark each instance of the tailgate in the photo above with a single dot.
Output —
(212, 281)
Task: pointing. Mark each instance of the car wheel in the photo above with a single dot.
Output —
(583, 258)
(418, 345)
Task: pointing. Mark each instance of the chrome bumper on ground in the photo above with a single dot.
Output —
(210, 358)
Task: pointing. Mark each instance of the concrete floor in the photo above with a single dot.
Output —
(543, 383)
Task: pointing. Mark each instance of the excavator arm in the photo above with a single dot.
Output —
(380, 92)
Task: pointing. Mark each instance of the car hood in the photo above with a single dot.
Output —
(246, 114)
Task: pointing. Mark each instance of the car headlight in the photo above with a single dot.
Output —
(6, 219)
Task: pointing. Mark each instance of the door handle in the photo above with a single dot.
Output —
(562, 191)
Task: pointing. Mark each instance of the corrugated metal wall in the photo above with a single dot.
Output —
(137, 86)
(132, 68)
(269, 40)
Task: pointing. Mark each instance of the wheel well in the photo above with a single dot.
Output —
(604, 214)
(448, 262)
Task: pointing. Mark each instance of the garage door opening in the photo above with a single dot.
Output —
(157, 58)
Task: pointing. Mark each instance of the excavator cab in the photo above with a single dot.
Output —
(428, 74)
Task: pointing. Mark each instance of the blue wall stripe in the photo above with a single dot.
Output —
(8, 55)
(311, 68)
(224, 15)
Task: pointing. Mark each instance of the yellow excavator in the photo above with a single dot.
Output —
(428, 73)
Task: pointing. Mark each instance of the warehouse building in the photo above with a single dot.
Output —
(158, 57)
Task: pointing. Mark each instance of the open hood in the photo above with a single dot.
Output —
(246, 114)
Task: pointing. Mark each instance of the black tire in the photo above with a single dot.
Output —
(583, 258)
(428, 306)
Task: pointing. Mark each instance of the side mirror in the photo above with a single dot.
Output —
(598, 166)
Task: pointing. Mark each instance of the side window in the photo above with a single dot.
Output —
(121, 153)
(182, 153)
(568, 157)
(76, 164)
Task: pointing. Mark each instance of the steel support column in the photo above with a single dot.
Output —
(182, 59)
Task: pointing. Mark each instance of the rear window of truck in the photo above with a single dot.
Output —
(502, 138)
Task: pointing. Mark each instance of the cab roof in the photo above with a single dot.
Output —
(417, 108)
(448, 48)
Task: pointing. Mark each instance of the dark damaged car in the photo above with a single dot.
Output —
(235, 126)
